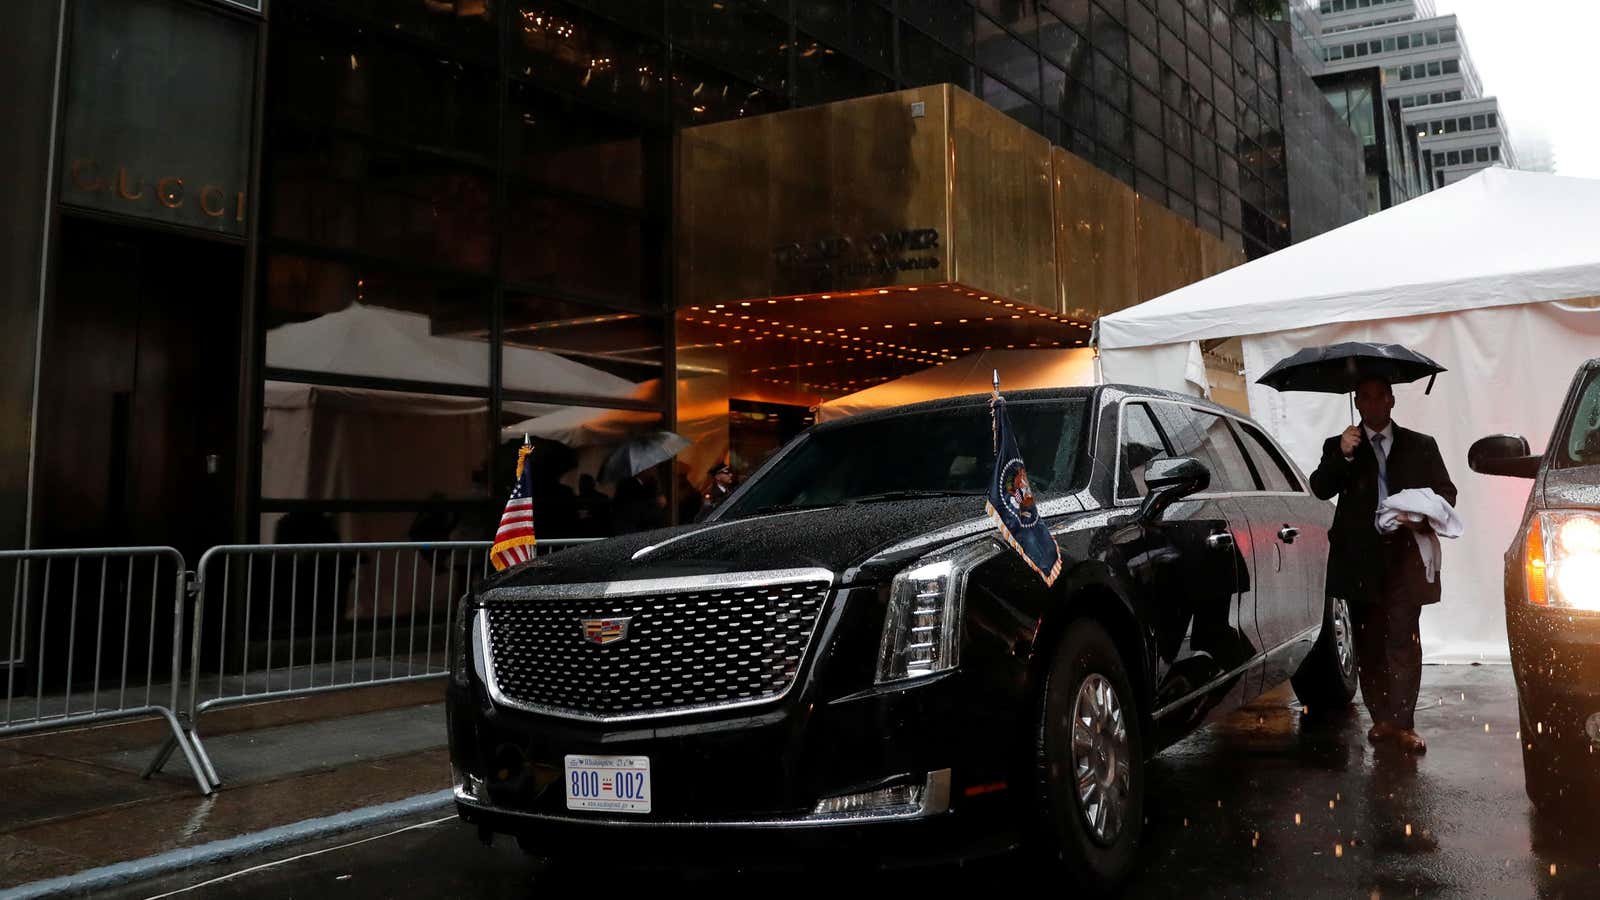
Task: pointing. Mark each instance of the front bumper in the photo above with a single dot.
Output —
(752, 778)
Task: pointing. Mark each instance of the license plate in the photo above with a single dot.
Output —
(608, 783)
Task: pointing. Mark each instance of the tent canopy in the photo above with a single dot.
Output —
(974, 374)
(1499, 238)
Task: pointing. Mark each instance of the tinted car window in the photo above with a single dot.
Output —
(1206, 437)
(948, 449)
(1140, 444)
(1276, 475)
(1580, 446)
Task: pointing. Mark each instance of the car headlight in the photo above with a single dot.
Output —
(922, 630)
(1562, 560)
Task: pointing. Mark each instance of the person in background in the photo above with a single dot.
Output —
(1381, 575)
(721, 486)
(594, 509)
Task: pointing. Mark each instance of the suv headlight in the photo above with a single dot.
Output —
(1562, 560)
(922, 630)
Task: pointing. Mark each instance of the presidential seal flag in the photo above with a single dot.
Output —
(1011, 503)
(514, 541)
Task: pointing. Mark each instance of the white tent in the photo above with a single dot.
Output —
(1494, 277)
(974, 374)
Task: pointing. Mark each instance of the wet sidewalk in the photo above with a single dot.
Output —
(74, 800)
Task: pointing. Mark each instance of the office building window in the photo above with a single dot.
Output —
(1494, 120)
(1451, 66)
(1494, 153)
(1479, 122)
(1454, 158)
(1483, 154)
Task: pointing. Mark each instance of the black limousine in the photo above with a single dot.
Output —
(845, 657)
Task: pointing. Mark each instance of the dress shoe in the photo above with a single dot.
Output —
(1410, 741)
(1382, 732)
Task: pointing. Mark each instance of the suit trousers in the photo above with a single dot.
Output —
(1389, 649)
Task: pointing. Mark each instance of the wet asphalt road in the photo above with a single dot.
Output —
(1266, 803)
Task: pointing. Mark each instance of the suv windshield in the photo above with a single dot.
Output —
(1579, 442)
(937, 453)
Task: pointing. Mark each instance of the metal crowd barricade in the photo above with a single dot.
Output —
(95, 635)
(284, 620)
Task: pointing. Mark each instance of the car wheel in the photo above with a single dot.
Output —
(1327, 680)
(1090, 761)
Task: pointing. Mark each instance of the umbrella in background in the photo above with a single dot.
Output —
(642, 452)
(1339, 368)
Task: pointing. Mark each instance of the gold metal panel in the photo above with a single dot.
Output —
(1094, 235)
(1001, 196)
(837, 197)
(1167, 250)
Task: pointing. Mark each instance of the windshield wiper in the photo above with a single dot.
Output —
(911, 495)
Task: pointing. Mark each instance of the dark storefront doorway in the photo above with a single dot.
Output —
(139, 391)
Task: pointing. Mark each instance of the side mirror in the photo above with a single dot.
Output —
(1167, 481)
(1503, 454)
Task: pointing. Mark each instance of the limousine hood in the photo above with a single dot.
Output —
(834, 538)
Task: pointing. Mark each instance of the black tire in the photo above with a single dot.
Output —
(1326, 681)
(1096, 859)
(1554, 760)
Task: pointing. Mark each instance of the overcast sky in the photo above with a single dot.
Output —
(1540, 58)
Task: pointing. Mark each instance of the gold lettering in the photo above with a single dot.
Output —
(170, 198)
(122, 186)
(206, 207)
(95, 184)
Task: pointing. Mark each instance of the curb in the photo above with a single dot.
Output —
(118, 874)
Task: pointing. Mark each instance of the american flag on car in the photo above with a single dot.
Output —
(514, 541)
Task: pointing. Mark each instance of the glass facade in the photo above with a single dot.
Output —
(489, 186)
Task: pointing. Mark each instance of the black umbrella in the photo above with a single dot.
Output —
(1338, 368)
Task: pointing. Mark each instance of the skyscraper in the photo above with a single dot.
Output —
(1387, 62)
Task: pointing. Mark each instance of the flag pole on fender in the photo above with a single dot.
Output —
(1011, 502)
(514, 541)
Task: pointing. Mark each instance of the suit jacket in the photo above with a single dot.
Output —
(1359, 558)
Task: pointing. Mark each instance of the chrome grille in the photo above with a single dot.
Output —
(684, 650)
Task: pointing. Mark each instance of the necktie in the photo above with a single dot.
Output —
(1383, 468)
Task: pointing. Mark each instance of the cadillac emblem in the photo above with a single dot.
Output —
(605, 631)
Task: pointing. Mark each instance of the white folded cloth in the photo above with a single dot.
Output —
(1416, 505)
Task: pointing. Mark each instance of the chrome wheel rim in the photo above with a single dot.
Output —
(1342, 633)
(1100, 757)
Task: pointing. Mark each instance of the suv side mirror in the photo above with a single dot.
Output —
(1169, 480)
(1503, 454)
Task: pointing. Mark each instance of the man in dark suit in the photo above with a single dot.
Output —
(1381, 575)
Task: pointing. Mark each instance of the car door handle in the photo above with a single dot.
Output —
(1221, 540)
(1288, 533)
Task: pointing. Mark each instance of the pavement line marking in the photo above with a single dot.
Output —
(232, 875)
(121, 873)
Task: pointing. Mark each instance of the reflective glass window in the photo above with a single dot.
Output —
(924, 60)
(736, 34)
(1001, 54)
(1140, 444)
(823, 74)
(1276, 472)
(367, 320)
(585, 56)
(419, 208)
(559, 346)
